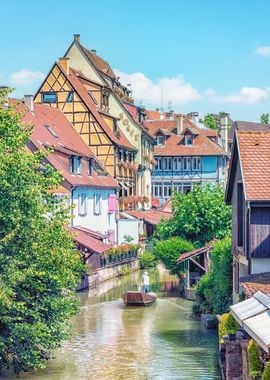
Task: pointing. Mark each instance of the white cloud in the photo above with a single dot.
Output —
(264, 51)
(175, 89)
(25, 77)
(246, 95)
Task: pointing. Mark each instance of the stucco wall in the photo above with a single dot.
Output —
(128, 227)
(102, 222)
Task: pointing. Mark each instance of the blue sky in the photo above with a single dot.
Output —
(207, 55)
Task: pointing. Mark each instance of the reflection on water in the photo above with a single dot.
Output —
(111, 341)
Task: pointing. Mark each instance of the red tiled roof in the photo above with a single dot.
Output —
(65, 141)
(168, 206)
(256, 282)
(193, 253)
(99, 63)
(254, 156)
(150, 216)
(74, 78)
(88, 240)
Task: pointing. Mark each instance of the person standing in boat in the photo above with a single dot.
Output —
(146, 282)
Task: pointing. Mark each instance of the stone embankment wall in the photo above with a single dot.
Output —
(103, 274)
(236, 360)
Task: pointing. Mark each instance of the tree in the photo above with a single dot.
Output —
(199, 216)
(266, 372)
(210, 121)
(39, 266)
(214, 289)
(265, 118)
(169, 250)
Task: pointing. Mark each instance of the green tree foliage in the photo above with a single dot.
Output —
(266, 372)
(210, 121)
(230, 325)
(148, 260)
(254, 359)
(39, 267)
(265, 118)
(199, 216)
(215, 287)
(169, 250)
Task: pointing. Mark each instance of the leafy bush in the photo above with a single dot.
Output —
(254, 359)
(230, 325)
(215, 287)
(169, 250)
(148, 260)
(199, 216)
(266, 372)
(221, 326)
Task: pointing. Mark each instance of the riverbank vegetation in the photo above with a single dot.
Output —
(148, 260)
(39, 267)
(199, 218)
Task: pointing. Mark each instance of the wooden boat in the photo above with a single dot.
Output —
(135, 298)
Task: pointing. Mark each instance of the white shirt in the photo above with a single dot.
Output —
(145, 278)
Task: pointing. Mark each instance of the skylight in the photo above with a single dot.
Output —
(52, 132)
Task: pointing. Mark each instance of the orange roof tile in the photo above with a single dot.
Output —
(52, 129)
(150, 216)
(74, 78)
(202, 145)
(256, 282)
(254, 155)
(99, 63)
(88, 240)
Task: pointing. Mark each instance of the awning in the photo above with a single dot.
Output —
(187, 255)
(253, 315)
(123, 184)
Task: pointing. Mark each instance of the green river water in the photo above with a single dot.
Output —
(113, 342)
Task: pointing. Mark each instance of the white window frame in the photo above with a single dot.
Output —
(160, 140)
(82, 204)
(97, 204)
(188, 139)
(196, 163)
(186, 163)
(177, 163)
(157, 190)
(167, 163)
(159, 163)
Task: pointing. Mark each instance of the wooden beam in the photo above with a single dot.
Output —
(199, 265)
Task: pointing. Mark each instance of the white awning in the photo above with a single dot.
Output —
(253, 315)
(122, 184)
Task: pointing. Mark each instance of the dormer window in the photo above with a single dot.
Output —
(49, 97)
(89, 167)
(188, 139)
(75, 166)
(160, 140)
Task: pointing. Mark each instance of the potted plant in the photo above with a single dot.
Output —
(254, 359)
(145, 199)
(230, 326)
(266, 372)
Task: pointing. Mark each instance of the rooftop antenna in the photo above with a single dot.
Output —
(141, 103)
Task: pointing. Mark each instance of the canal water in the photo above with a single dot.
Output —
(113, 342)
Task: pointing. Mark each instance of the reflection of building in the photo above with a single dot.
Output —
(248, 191)
(186, 155)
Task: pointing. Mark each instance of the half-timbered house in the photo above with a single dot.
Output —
(248, 191)
(115, 100)
(70, 91)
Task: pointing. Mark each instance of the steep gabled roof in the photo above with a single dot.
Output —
(52, 129)
(248, 126)
(254, 156)
(202, 145)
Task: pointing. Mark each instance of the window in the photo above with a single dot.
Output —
(186, 187)
(93, 97)
(97, 204)
(157, 190)
(159, 163)
(177, 187)
(177, 163)
(196, 163)
(186, 163)
(167, 163)
(82, 207)
(167, 190)
(52, 132)
(105, 100)
(49, 97)
(70, 97)
(188, 139)
(75, 165)
(160, 140)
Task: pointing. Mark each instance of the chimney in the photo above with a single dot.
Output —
(93, 51)
(179, 124)
(77, 37)
(224, 130)
(29, 102)
(64, 63)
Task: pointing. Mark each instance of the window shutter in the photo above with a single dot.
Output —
(97, 204)
(82, 204)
